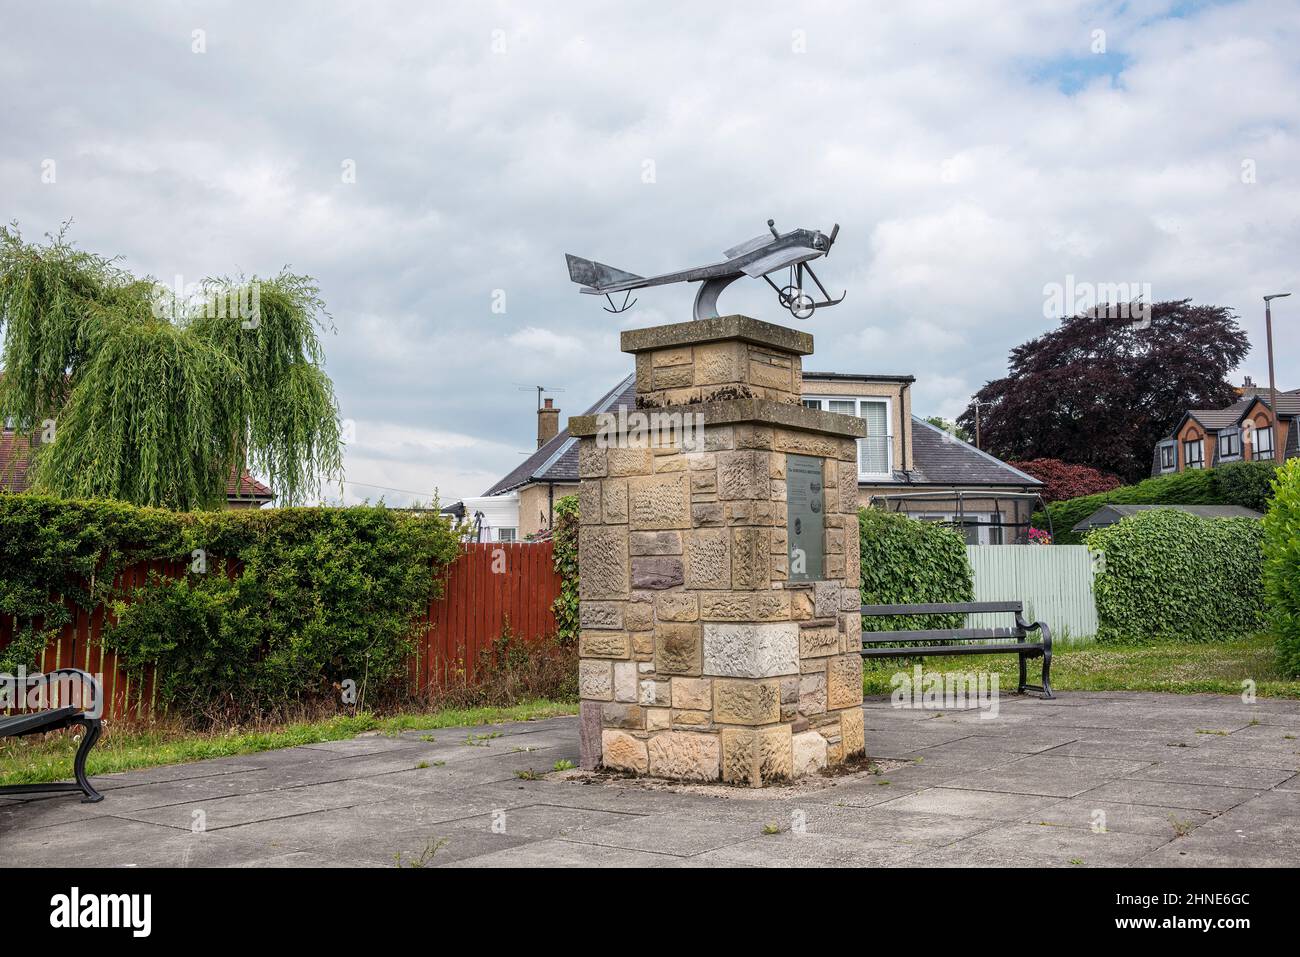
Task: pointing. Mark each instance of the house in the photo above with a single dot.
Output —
(904, 464)
(243, 491)
(1248, 429)
(1111, 514)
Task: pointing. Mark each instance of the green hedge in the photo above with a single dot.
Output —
(1170, 575)
(564, 537)
(905, 561)
(324, 596)
(1239, 483)
(1282, 566)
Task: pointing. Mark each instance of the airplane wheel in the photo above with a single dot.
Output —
(786, 296)
(802, 306)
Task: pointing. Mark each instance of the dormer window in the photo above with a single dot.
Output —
(1263, 443)
(1230, 444)
(1168, 457)
(876, 451)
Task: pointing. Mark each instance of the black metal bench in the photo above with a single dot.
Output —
(1020, 645)
(55, 719)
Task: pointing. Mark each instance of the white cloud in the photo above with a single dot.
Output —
(939, 135)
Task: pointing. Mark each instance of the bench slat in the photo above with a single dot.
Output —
(1034, 650)
(946, 608)
(938, 634)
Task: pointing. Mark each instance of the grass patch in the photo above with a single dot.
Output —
(1176, 667)
(42, 758)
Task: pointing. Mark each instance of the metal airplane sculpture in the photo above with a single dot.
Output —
(761, 256)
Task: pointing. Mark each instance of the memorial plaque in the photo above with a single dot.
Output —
(805, 517)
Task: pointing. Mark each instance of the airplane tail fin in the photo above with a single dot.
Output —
(594, 274)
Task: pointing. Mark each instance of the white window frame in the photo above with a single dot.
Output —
(1257, 450)
(1187, 459)
(1230, 434)
(888, 403)
(507, 534)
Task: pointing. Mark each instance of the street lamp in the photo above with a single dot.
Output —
(1278, 447)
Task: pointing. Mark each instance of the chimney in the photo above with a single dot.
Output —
(548, 422)
(1247, 388)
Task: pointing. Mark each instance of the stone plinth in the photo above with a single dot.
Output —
(701, 657)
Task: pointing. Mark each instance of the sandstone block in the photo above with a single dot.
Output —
(629, 460)
(742, 475)
(601, 614)
(819, 637)
(653, 693)
(749, 701)
(757, 756)
(751, 650)
(589, 734)
(655, 543)
(844, 681)
(596, 680)
(678, 648)
(684, 755)
(622, 752)
(589, 510)
(591, 460)
(708, 559)
(826, 598)
(658, 719)
(851, 733)
(604, 644)
(677, 606)
(614, 497)
(618, 715)
(625, 681)
(657, 572)
(602, 555)
(692, 694)
(812, 693)
(749, 558)
(638, 615)
(659, 501)
(809, 749)
(727, 606)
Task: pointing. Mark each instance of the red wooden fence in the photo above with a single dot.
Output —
(488, 586)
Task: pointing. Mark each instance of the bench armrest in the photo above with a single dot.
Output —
(1039, 626)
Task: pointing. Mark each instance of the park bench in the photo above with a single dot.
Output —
(963, 641)
(53, 719)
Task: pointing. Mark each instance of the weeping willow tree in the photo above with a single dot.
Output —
(139, 394)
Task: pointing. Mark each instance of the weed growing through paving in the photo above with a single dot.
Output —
(564, 764)
(431, 847)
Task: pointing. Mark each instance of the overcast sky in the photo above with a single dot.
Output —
(972, 153)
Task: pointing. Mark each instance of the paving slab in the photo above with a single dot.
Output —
(1024, 788)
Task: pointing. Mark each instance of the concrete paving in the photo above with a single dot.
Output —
(1115, 779)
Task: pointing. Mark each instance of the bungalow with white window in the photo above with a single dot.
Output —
(904, 464)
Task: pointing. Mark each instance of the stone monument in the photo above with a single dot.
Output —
(718, 563)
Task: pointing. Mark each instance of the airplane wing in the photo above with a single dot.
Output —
(780, 259)
(758, 242)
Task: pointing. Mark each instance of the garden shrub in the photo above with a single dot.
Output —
(1282, 566)
(1248, 484)
(1165, 574)
(1193, 487)
(322, 596)
(564, 537)
(905, 561)
(1065, 480)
